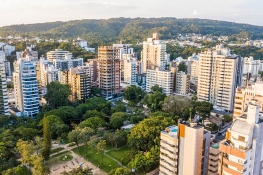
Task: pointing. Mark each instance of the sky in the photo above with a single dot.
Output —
(38, 11)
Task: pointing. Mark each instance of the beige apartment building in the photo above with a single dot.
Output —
(184, 150)
(245, 94)
(154, 54)
(241, 151)
(220, 72)
(164, 79)
(182, 83)
(108, 71)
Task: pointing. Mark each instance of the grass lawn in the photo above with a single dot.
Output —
(119, 154)
(67, 158)
(56, 158)
(109, 164)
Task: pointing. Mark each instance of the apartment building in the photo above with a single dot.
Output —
(58, 54)
(193, 69)
(241, 151)
(108, 71)
(26, 87)
(129, 72)
(244, 95)
(91, 69)
(251, 66)
(28, 54)
(165, 80)
(213, 159)
(3, 91)
(67, 63)
(184, 150)
(6, 63)
(80, 84)
(182, 83)
(154, 54)
(220, 72)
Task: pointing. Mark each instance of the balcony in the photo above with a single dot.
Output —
(225, 147)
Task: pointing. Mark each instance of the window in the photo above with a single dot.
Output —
(241, 138)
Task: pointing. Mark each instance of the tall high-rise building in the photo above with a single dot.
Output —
(164, 79)
(67, 63)
(58, 54)
(182, 83)
(251, 66)
(3, 90)
(154, 54)
(220, 72)
(184, 150)
(241, 151)
(108, 71)
(26, 87)
(245, 94)
(129, 72)
(193, 69)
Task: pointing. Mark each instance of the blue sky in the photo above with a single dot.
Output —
(37, 11)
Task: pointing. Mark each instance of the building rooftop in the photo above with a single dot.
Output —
(241, 127)
(170, 131)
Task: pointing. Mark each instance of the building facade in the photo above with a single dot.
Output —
(26, 87)
(184, 150)
(58, 54)
(3, 91)
(241, 151)
(220, 73)
(154, 54)
(108, 71)
(182, 83)
(245, 94)
(164, 79)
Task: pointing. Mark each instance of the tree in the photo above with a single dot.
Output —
(146, 161)
(92, 143)
(78, 171)
(120, 171)
(19, 170)
(94, 113)
(156, 88)
(93, 122)
(57, 94)
(133, 94)
(101, 146)
(174, 103)
(26, 133)
(38, 166)
(212, 127)
(120, 138)
(118, 108)
(227, 118)
(26, 149)
(154, 101)
(75, 136)
(47, 139)
(85, 136)
(203, 109)
(99, 104)
(146, 134)
(57, 126)
(182, 67)
(117, 119)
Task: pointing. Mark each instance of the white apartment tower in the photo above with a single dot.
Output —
(26, 87)
(165, 80)
(3, 91)
(129, 72)
(154, 54)
(58, 54)
(241, 151)
(251, 66)
(193, 69)
(220, 72)
(184, 150)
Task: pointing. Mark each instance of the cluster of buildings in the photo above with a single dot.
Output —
(189, 149)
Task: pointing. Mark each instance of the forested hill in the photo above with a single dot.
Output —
(130, 29)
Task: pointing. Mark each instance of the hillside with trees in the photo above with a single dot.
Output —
(130, 29)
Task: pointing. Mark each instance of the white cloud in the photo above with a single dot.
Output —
(195, 13)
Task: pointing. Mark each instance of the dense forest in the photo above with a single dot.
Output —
(130, 30)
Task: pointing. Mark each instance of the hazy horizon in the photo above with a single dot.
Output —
(17, 12)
